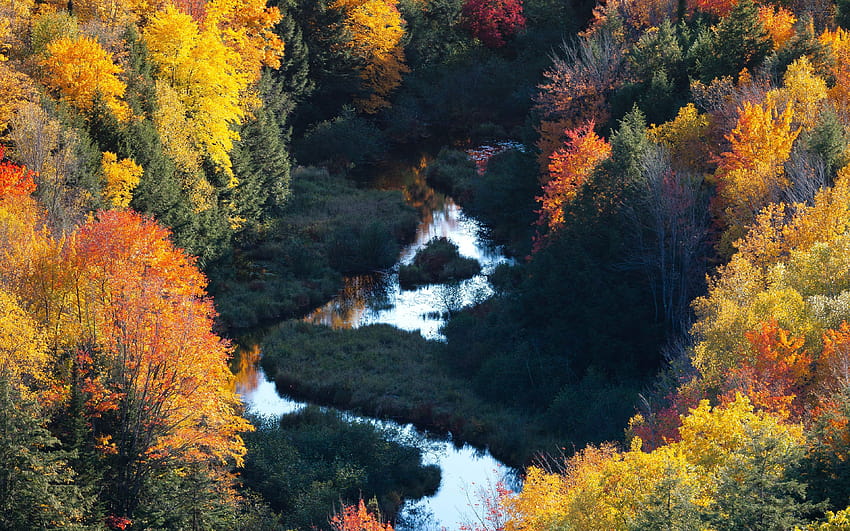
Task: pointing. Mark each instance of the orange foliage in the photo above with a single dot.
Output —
(779, 23)
(152, 323)
(774, 375)
(357, 519)
(569, 168)
(751, 174)
(14, 180)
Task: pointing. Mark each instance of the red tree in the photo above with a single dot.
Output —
(14, 180)
(493, 21)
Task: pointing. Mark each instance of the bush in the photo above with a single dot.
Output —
(438, 262)
(311, 460)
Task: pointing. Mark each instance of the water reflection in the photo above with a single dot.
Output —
(377, 298)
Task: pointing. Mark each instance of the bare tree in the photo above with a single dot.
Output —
(807, 173)
(670, 222)
(44, 146)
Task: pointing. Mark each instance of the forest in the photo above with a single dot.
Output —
(664, 345)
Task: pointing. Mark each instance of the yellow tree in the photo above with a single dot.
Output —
(121, 179)
(79, 69)
(375, 31)
(802, 89)
(685, 137)
(203, 72)
(751, 175)
(247, 28)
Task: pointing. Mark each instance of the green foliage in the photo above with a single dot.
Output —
(829, 139)
(436, 263)
(738, 41)
(453, 172)
(657, 62)
(261, 164)
(37, 489)
(504, 199)
(434, 32)
(310, 461)
(341, 144)
(327, 227)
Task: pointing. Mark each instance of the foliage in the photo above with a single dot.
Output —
(121, 178)
(310, 461)
(80, 70)
(375, 30)
(358, 519)
(732, 469)
(569, 167)
(437, 262)
(493, 21)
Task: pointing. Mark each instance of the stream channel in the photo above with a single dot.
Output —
(377, 298)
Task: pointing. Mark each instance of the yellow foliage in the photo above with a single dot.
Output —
(203, 72)
(121, 179)
(376, 30)
(246, 27)
(804, 90)
(174, 129)
(839, 521)
(80, 69)
(605, 489)
(685, 137)
(16, 88)
(23, 356)
(838, 41)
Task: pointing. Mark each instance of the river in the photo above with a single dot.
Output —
(378, 298)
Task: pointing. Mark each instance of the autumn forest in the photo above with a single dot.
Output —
(661, 339)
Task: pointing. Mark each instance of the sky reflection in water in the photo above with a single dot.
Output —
(372, 299)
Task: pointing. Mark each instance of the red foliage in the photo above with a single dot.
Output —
(15, 180)
(490, 513)
(197, 9)
(493, 21)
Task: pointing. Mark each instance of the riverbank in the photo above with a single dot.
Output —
(329, 228)
(385, 372)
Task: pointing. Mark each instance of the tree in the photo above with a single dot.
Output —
(569, 167)
(14, 180)
(738, 41)
(121, 179)
(36, 484)
(493, 22)
(751, 174)
(203, 72)
(79, 69)
(779, 24)
(375, 31)
(167, 370)
(577, 86)
(351, 518)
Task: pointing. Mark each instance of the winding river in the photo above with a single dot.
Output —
(378, 298)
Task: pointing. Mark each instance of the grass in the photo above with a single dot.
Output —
(384, 372)
(329, 228)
